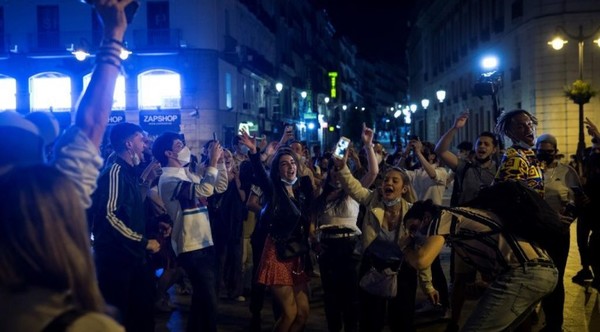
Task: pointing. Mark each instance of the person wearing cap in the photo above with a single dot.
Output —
(559, 181)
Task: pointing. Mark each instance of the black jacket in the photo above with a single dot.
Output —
(117, 214)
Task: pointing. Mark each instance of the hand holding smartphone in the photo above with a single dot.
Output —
(341, 147)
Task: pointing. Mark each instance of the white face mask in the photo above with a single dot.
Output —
(289, 182)
(135, 159)
(184, 156)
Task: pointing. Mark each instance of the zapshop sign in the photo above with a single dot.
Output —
(157, 122)
(116, 117)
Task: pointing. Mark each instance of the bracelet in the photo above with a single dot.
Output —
(105, 61)
(108, 54)
(111, 41)
(372, 145)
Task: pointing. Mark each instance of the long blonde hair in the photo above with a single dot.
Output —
(44, 236)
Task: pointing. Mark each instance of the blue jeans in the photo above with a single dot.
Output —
(200, 266)
(511, 298)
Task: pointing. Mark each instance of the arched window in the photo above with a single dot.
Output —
(8, 93)
(119, 95)
(159, 89)
(50, 90)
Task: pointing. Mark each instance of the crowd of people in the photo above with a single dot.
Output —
(97, 225)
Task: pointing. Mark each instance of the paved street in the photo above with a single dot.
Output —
(582, 308)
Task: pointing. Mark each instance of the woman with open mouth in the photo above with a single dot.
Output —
(383, 233)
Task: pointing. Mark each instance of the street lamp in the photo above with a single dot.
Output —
(278, 86)
(557, 43)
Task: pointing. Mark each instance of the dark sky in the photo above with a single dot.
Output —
(378, 27)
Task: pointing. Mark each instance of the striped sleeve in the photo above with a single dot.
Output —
(115, 211)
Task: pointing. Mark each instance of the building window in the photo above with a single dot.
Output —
(159, 89)
(8, 93)
(48, 27)
(228, 93)
(50, 91)
(158, 23)
(119, 95)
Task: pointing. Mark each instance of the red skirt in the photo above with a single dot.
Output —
(275, 272)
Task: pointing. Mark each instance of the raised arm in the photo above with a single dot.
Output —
(427, 166)
(372, 165)
(591, 128)
(97, 100)
(442, 149)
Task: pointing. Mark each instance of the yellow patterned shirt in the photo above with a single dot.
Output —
(521, 164)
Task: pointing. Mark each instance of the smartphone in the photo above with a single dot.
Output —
(341, 147)
(289, 128)
(414, 138)
(214, 136)
(130, 9)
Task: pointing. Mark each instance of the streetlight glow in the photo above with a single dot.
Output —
(278, 86)
(344, 107)
(441, 95)
(397, 114)
(425, 103)
(326, 100)
(80, 55)
(303, 94)
(557, 43)
(413, 107)
(489, 63)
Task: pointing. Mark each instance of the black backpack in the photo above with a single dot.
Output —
(523, 212)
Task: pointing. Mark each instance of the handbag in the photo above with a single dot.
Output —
(380, 283)
(290, 247)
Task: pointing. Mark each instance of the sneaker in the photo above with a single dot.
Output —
(583, 276)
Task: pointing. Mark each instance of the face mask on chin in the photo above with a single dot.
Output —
(289, 182)
(135, 159)
(184, 156)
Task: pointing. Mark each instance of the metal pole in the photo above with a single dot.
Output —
(581, 142)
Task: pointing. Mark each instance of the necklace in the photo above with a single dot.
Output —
(551, 176)
(392, 217)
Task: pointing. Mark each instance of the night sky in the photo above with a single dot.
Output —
(378, 27)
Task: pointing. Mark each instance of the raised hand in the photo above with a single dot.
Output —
(248, 141)
(112, 15)
(215, 151)
(367, 135)
(591, 128)
(461, 120)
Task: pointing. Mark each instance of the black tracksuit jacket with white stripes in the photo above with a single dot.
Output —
(117, 214)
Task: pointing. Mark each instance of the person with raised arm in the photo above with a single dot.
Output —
(287, 200)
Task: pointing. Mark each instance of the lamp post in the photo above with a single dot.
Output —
(441, 95)
(557, 43)
(425, 104)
